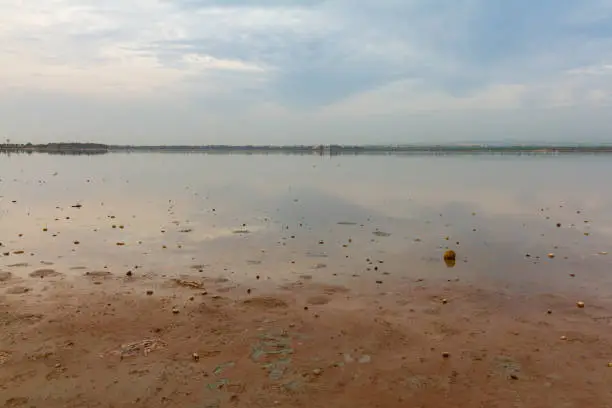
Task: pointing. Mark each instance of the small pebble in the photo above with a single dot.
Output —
(580, 304)
(446, 354)
(175, 311)
(149, 292)
(444, 301)
(317, 371)
(195, 356)
(551, 255)
(563, 338)
(128, 273)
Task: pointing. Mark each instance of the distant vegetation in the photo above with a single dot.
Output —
(98, 148)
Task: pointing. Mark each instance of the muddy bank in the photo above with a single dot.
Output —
(127, 343)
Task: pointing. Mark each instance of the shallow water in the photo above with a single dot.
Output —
(284, 217)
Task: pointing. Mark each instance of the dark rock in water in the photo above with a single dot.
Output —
(44, 273)
(98, 274)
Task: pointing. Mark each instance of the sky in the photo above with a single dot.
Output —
(305, 72)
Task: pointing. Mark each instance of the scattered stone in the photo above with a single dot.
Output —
(563, 338)
(317, 371)
(580, 305)
(175, 310)
(195, 356)
(551, 255)
(444, 301)
(18, 252)
(128, 273)
(149, 292)
(120, 243)
(446, 354)
(549, 311)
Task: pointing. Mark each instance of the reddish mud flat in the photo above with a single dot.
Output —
(108, 343)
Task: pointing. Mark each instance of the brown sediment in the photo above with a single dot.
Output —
(5, 276)
(266, 351)
(44, 273)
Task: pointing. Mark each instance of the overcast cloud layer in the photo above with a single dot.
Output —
(310, 71)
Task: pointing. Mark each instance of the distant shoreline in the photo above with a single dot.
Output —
(97, 148)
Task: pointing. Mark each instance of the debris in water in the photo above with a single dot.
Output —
(189, 284)
(143, 347)
(450, 258)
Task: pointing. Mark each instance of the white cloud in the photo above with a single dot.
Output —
(99, 50)
(283, 71)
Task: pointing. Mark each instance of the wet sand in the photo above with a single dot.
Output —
(103, 341)
(305, 289)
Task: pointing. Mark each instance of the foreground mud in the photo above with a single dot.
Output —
(108, 342)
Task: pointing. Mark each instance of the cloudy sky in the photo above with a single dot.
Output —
(310, 71)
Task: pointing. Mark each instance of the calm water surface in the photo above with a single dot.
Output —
(283, 217)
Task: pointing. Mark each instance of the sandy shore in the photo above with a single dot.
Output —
(103, 341)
